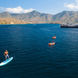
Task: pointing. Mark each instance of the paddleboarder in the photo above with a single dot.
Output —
(6, 54)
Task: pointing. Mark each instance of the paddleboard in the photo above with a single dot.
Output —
(6, 61)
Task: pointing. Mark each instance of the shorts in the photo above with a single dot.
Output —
(6, 56)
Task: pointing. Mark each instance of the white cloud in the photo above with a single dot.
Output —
(18, 9)
(72, 6)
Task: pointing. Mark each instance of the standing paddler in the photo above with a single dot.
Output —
(6, 54)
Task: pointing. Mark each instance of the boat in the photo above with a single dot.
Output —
(51, 44)
(6, 61)
(69, 25)
(54, 37)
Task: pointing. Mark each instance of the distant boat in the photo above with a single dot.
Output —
(69, 25)
(51, 44)
(54, 37)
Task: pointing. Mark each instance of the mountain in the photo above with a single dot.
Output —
(31, 17)
(11, 21)
(34, 16)
(5, 15)
(65, 17)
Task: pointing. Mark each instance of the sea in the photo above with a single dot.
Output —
(33, 57)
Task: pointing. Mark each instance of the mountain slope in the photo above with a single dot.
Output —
(34, 16)
(65, 17)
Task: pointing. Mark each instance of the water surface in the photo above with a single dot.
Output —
(33, 58)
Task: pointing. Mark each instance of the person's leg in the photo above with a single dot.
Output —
(7, 56)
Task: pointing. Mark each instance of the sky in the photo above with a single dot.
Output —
(44, 6)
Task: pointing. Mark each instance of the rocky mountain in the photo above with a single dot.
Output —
(65, 17)
(31, 17)
(34, 17)
(5, 15)
(11, 21)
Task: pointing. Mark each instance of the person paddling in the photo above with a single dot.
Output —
(54, 37)
(6, 55)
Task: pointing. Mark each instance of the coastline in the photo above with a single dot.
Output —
(29, 23)
(12, 24)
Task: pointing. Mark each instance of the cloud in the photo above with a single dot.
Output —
(18, 9)
(72, 6)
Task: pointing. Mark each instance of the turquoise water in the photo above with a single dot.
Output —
(33, 58)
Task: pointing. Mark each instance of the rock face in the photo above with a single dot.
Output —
(31, 17)
(65, 17)
(11, 21)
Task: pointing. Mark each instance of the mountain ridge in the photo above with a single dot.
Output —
(64, 17)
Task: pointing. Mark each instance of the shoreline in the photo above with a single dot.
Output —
(26, 24)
